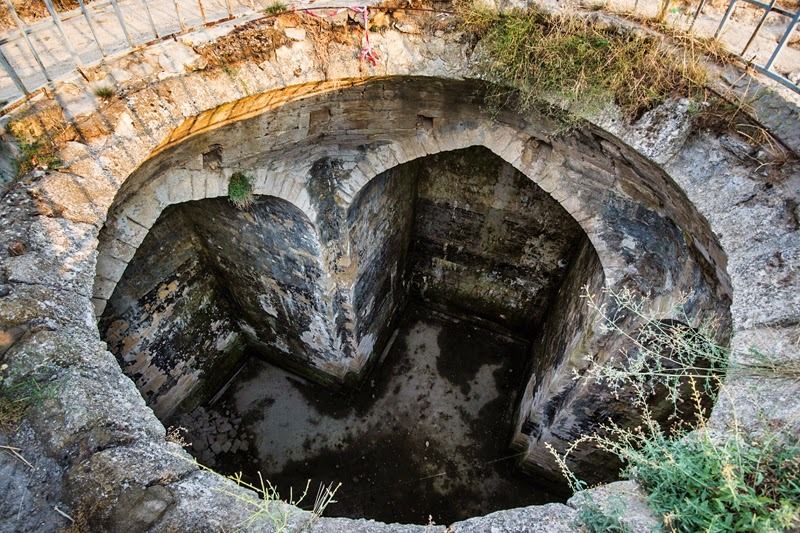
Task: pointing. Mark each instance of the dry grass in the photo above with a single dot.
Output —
(255, 41)
(535, 59)
(31, 11)
(544, 57)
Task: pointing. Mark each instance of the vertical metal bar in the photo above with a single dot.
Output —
(725, 18)
(12, 73)
(202, 10)
(60, 28)
(784, 40)
(150, 18)
(178, 12)
(697, 13)
(230, 9)
(23, 30)
(88, 18)
(767, 11)
(121, 20)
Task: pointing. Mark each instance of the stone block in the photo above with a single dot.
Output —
(550, 518)
(622, 499)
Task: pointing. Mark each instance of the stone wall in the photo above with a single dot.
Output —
(132, 157)
(566, 336)
(635, 219)
(488, 242)
(268, 259)
(380, 222)
(169, 322)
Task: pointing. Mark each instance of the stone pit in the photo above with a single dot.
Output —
(399, 310)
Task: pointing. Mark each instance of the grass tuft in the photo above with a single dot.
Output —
(17, 399)
(104, 92)
(533, 57)
(240, 190)
(276, 8)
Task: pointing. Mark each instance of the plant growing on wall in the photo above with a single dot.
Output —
(240, 190)
(696, 479)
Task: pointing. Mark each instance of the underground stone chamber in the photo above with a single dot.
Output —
(412, 333)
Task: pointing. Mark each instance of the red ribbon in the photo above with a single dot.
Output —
(367, 52)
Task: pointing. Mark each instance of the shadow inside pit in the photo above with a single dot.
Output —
(424, 439)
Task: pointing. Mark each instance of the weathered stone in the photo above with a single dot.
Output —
(707, 190)
(623, 500)
(553, 517)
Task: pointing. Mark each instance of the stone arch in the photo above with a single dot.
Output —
(633, 214)
(207, 281)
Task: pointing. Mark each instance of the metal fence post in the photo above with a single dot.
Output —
(767, 11)
(784, 40)
(121, 20)
(89, 21)
(23, 30)
(725, 17)
(57, 21)
(202, 10)
(150, 18)
(697, 14)
(11, 72)
(178, 12)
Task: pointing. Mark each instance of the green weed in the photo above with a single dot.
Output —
(276, 8)
(594, 519)
(18, 398)
(240, 190)
(696, 479)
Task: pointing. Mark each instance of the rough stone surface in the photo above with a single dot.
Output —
(713, 208)
(623, 500)
(552, 517)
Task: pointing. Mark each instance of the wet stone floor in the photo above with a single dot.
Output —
(425, 439)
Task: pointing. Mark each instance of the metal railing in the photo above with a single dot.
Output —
(183, 16)
(24, 31)
(766, 68)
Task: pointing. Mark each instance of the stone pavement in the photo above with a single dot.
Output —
(168, 17)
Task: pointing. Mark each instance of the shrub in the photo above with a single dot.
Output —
(695, 479)
(240, 190)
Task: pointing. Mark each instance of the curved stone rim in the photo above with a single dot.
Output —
(91, 166)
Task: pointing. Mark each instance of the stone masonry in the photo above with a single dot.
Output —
(669, 212)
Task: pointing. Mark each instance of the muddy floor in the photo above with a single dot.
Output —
(425, 439)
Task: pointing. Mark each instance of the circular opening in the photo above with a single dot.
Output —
(415, 337)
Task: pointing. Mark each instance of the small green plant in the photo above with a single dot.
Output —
(104, 92)
(594, 519)
(18, 398)
(240, 190)
(276, 8)
(696, 479)
(38, 154)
